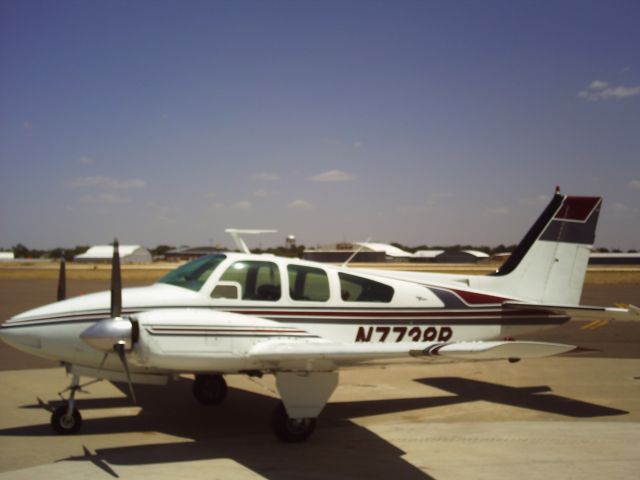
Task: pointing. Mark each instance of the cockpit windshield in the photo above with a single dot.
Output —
(194, 274)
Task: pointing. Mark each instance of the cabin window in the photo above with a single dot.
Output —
(256, 280)
(192, 275)
(229, 290)
(358, 289)
(308, 284)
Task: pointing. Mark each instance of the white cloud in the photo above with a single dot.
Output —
(104, 199)
(497, 212)
(332, 176)
(414, 209)
(358, 144)
(242, 205)
(598, 85)
(300, 205)
(266, 177)
(441, 195)
(600, 90)
(635, 184)
(431, 202)
(535, 201)
(263, 193)
(619, 207)
(87, 161)
(105, 182)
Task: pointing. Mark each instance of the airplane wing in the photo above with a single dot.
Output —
(280, 352)
(581, 311)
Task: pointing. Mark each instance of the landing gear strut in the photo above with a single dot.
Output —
(66, 419)
(209, 389)
(291, 430)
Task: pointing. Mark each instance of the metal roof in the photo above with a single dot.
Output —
(106, 251)
(477, 253)
(427, 253)
(388, 250)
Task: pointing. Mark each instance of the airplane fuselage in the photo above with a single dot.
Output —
(330, 304)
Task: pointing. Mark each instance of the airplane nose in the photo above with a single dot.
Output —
(20, 338)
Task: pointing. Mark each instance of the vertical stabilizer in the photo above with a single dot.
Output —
(550, 263)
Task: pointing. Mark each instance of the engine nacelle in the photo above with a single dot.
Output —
(198, 340)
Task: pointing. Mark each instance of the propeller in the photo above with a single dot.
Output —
(114, 333)
(62, 281)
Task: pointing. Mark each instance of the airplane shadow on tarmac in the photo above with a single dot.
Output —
(239, 430)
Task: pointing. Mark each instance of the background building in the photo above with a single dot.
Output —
(104, 253)
(189, 253)
(7, 256)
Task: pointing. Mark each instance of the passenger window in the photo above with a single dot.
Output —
(257, 280)
(227, 290)
(308, 284)
(358, 289)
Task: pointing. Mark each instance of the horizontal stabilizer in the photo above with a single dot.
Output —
(581, 311)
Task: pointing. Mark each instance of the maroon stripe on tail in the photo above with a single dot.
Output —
(577, 208)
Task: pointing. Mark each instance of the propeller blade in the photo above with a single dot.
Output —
(119, 348)
(116, 282)
(62, 281)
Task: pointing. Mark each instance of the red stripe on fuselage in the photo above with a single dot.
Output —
(394, 314)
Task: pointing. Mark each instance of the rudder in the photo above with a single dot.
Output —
(550, 263)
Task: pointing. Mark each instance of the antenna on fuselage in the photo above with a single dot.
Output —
(236, 232)
(353, 255)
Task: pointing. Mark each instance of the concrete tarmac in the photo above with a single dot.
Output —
(564, 417)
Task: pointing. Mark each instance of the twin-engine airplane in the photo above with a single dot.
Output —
(301, 321)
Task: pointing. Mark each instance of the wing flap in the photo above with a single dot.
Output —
(341, 353)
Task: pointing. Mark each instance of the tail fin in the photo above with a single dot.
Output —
(550, 263)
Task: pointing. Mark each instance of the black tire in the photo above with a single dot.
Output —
(64, 425)
(291, 430)
(209, 389)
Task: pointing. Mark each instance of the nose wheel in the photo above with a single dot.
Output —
(65, 421)
(209, 389)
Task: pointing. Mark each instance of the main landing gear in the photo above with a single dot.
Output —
(209, 389)
(304, 395)
(291, 430)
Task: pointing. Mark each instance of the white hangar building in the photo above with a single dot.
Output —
(104, 253)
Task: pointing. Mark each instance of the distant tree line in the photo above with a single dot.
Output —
(22, 251)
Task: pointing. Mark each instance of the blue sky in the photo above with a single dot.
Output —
(421, 122)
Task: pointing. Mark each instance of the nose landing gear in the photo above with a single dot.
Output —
(66, 419)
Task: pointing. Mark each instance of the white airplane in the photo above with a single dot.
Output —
(242, 313)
